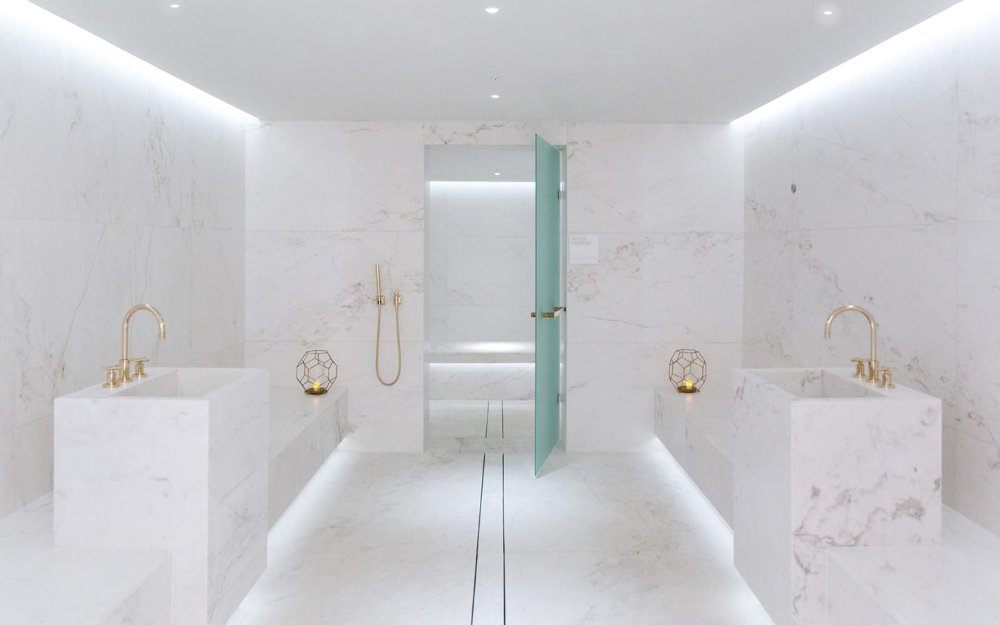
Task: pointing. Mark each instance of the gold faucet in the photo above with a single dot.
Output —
(872, 375)
(126, 363)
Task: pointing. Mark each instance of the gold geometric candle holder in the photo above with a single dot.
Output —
(316, 371)
(687, 370)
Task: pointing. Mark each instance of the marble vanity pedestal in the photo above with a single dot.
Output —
(177, 462)
(823, 460)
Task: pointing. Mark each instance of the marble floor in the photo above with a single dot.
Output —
(465, 534)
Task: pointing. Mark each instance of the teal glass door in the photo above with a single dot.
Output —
(549, 307)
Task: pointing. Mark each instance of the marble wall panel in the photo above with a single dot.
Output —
(481, 253)
(328, 176)
(895, 210)
(116, 186)
(485, 270)
(326, 201)
(979, 126)
(665, 201)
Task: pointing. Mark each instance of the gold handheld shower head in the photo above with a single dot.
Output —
(379, 298)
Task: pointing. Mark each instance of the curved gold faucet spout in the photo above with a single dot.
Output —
(872, 334)
(126, 362)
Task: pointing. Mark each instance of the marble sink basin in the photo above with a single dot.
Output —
(823, 459)
(817, 384)
(178, 462)
(184, 382)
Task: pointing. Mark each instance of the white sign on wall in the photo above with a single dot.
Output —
(584, 249)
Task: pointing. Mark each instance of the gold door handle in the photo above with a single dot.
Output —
(550, 315)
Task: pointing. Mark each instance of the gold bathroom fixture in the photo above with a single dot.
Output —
(550, 315)
(126, 362)
(872, 374)
(379, 303)
(112, 378)
(885, 377)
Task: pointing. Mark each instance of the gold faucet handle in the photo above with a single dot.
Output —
(140, 367)
(112, 376)
(885, 377)
(859, 367)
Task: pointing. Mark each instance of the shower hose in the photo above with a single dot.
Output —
(378, 343)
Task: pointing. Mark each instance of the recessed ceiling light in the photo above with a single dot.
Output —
(495, 96)
(828, 12)
(175, 6)
(492, 10)
(496, 173)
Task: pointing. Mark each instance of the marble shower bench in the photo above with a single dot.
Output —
(480, 371)
(305, 429)
(697, 430)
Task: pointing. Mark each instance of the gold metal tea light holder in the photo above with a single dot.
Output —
(316, 371)
(687, 370)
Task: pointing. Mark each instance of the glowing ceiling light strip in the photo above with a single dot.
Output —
(473, 184)
(25, 18)
(950, 23)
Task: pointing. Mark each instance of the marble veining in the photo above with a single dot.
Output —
(640, 546)
(665, 200)
(326, 201)
(176, 462)
(92, 586)
(952, 582)
(113, 189)
(895, 208)
(825, 460)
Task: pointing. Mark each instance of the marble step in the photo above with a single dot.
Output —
(40, 585)
(955, 581)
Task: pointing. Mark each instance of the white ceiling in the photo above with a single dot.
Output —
(582, 60)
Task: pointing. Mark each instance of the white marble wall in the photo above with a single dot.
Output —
(897, 208)
(116, 186)
(481, 269)
(665, 201)
(325, 202)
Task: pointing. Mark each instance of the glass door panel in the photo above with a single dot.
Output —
(549, 308)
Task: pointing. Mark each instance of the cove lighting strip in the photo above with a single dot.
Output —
(949, 24)
(30, 20)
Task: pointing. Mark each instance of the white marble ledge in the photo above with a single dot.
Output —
(40, 585)
(304, 431)
(293, 411)
(485, 352)
(955, 581)
(698, 431)
(709, 411)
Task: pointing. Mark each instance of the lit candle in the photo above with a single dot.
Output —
(316, 386)
(688, 384)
